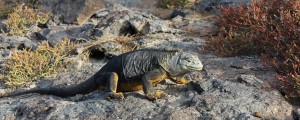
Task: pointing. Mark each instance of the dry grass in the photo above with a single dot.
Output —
(23, 17)
(8, 6)
(123, 40)
(25, 66)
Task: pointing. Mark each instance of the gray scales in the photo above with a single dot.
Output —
(132, 71)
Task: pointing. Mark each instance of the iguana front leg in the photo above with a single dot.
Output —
(179, 79)
(111, 85)
(150, 78)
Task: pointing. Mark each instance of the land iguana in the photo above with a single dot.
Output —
(132, 71)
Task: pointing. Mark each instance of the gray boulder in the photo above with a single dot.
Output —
(117, 24)
(158, 26)
(197, 28)
(127, 22)
(72, 11)
(81, 33)
(16, 42)
(138, 4)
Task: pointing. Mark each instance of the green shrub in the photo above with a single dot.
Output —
(271, 28)
(20, 21)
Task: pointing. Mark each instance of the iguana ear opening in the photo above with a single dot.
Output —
(172, 65)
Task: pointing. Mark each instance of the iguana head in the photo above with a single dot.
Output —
(189, 62)
(182, 63)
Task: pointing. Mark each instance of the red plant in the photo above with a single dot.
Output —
(270, 28)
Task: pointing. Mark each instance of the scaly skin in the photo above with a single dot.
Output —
(132, 71)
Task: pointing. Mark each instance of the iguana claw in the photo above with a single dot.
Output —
(156, 95)
(112, 95)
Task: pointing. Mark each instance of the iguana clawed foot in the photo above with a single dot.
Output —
(156, 95)
(112, 95)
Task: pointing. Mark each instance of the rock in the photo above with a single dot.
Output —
(220, 100)
(209, 5)
(155, 40)
(72, 11)
(185, 114)
(38, 108)
(196, 87)
(162, 13)
(105, 50)
(138, 4)
(146, 26)
(128, 22)
(3, 27)
(179, 12)
(110, 7)
(2, 91)
(102, 13)
(16, 42)
(197, 28)
(139, 23)
(221, 68)
(117, 24)
(297, 114)
(81, 33)
(170, 41)
(5, 53)
(230, 100)
(112, 48)
(158, 26)
(77, 63)
(31, 33)
(250, 80)
(145, 6)
(177, 19)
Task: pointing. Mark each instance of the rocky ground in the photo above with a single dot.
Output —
(230, 88)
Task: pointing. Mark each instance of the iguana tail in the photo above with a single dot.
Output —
(82, 88)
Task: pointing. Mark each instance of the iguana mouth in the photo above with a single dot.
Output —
(196, 68)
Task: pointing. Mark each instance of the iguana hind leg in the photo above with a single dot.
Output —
(150, 78)
(111, 86)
